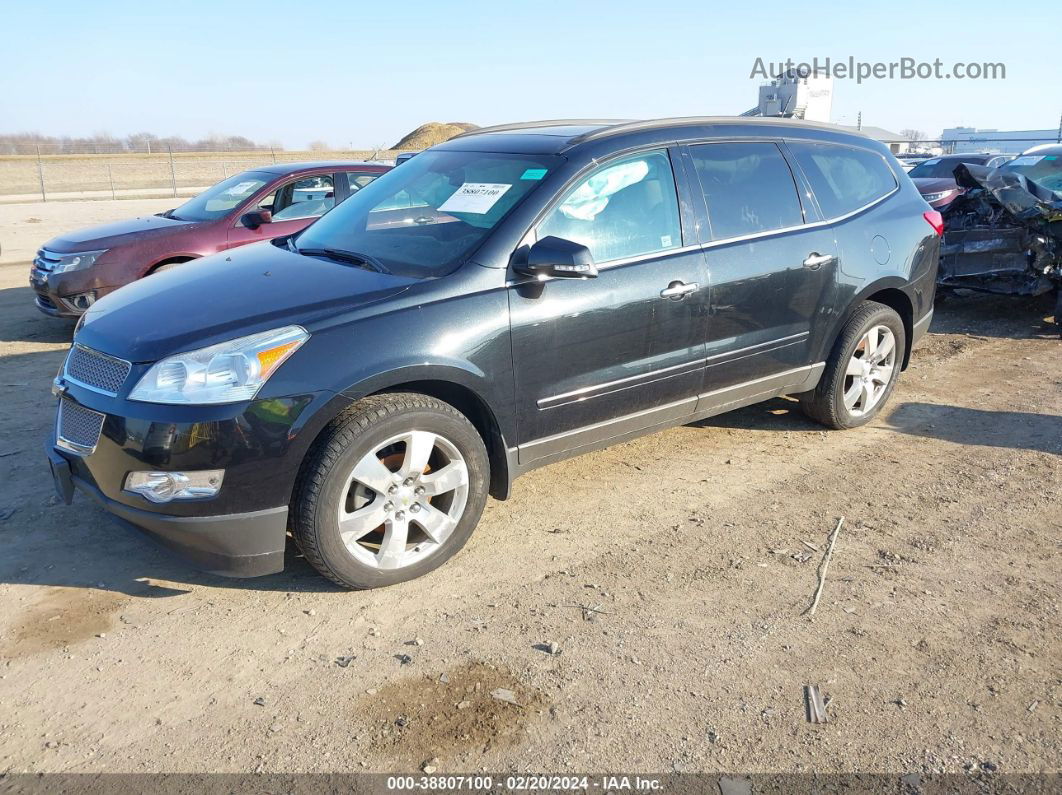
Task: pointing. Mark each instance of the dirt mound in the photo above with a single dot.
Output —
(432, 133)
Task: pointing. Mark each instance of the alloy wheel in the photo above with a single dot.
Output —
(870, 370)
(403, 500)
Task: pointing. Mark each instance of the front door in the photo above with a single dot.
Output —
(294, 205)
(599, 358)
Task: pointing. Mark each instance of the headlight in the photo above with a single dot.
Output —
(932, 197)
(76, 262)
(229, 372)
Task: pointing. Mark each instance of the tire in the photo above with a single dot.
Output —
(334, 481)
(826, 404)
(165, 266)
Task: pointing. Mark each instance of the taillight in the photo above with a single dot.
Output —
(935, 220)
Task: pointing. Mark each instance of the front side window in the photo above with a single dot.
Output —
(424, 218)
(845, 178)
(748, 186)
(218, 201)
(626, 209)
(308, 197)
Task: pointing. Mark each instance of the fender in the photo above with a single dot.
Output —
(187, 256)
(468, 391)
(885, 290)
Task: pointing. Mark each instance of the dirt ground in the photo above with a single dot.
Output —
(671, 573)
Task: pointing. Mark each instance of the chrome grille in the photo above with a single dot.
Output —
(46, 260)
(78, 428)
(96, 370)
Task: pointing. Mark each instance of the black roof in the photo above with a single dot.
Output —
(313, 165)
(559, 135)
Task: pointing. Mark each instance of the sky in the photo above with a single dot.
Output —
(360, 75)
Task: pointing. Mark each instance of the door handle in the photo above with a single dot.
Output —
(815, 260)
(676, 291)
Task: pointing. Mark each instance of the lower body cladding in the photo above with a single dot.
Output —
(254, 448)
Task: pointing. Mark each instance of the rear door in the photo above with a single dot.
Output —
(769, 269)
(849, 185)
(295, 204)
(602, 357)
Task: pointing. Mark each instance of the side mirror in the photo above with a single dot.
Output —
(559, 258)
(256, 218)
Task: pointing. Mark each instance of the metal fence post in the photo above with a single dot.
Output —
(273, 152)
(110, 178)
(173, 174)
(40, 173)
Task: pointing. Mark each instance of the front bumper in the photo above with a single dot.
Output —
(55, 292)
(234, 545)
(261, 444)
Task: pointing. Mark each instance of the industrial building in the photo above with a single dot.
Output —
(809, 96)
(956, 140)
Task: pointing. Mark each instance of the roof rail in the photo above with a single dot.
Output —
(653, 124)
(528, 125)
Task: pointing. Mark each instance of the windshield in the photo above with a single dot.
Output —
(220, 200)
(940, 167)
(426, 217)
(1044, 170)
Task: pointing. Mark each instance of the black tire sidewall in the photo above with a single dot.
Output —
(880, 316)
(330, 545)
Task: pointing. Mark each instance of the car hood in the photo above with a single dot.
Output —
(120, 232)
(934, 184)
(217, 298)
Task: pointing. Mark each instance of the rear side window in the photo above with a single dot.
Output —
(625, 209)
(844, 178)
(748, 186)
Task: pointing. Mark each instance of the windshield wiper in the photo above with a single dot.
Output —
(361, 260)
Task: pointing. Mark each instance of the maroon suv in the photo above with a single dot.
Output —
(73, 270)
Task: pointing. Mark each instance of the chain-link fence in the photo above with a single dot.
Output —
(57, 172)
(49, 176)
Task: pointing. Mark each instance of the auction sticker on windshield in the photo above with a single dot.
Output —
(474, 197)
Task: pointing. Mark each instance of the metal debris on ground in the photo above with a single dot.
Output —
(344, 660)
(259, 702)
(813, 705)
(824, 566)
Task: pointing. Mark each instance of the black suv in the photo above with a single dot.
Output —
(504, 300)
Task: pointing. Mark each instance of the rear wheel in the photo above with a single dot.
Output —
(391, 491)
(862, 370)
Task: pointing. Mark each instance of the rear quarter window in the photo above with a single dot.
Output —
(844, 178)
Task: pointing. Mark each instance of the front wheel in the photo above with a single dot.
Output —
(392, 490)
(862, 370)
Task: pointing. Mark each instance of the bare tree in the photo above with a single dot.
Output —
(914, 136)
(317, 146)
